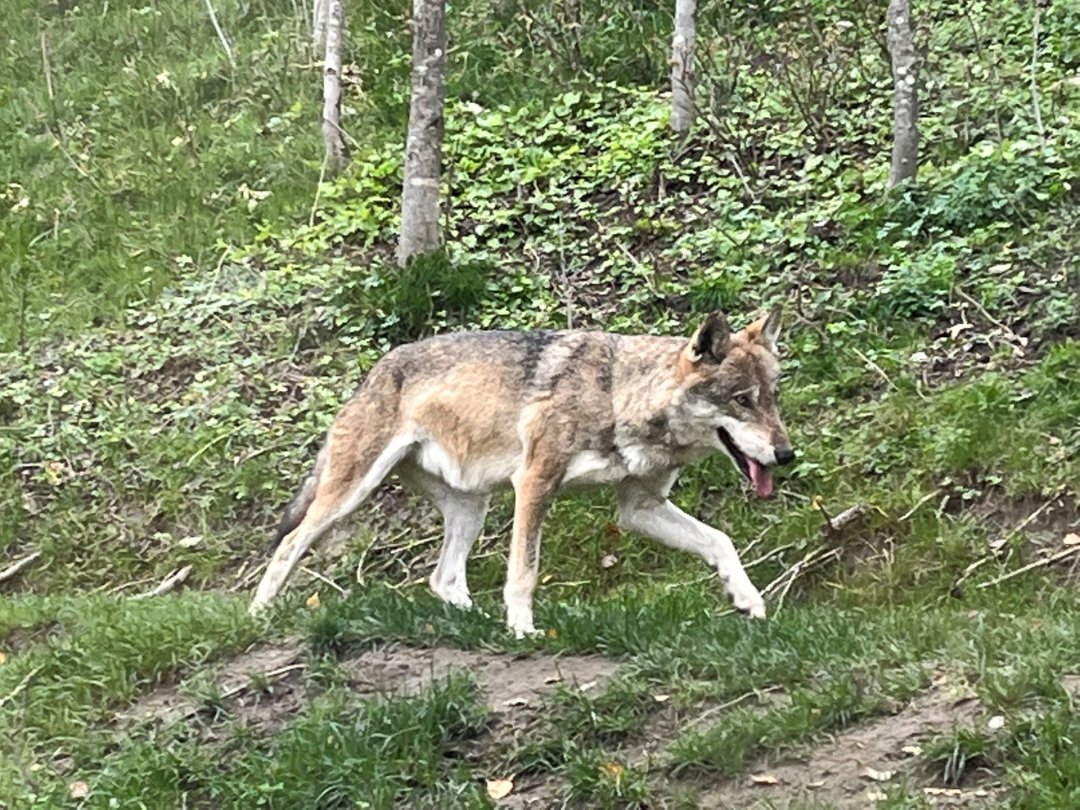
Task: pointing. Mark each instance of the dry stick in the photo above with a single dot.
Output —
(916, 507)
(25, 682)
(249, 577)
(1061, 555)
(323, 579)
(221, 35)
(18, 566)
(994, 321)
(847, 516)
(870, 364)
(729, 704)
(995, 548)
(167, 584)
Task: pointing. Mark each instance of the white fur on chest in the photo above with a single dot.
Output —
(590, 468)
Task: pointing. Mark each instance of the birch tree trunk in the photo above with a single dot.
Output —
(423, 143)
(333, 136)
(905, 70)
(682, 66)
(319, 15)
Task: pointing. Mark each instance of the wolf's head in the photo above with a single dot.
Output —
(731, 386)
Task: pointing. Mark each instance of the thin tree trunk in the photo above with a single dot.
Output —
(319, 15)
(333, 137)
(905, 70)
(423, 144)
(682, 66)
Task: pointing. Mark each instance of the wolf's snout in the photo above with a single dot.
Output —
(784, 455)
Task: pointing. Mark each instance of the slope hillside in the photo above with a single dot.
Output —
(922, 651)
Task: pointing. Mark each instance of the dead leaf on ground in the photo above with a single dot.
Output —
(613, 769)
(313, 601)
(78, 790)
(764, 779)
(499, 788)
(878, 776)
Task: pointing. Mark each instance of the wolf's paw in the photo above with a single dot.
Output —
(519, 620)
(750, 603)
(454, 595)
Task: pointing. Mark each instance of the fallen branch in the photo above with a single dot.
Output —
(324, 579)
(848, 516)
(1020, 342)
(18, 566)
(168, 584)
(917, 506)
(697, 721)
(25, 682)
(1045, 561)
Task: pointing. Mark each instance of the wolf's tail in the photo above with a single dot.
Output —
(298, 506)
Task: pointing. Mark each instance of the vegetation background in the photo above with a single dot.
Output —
(185, 306)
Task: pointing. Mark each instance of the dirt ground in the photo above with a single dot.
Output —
(264, 688)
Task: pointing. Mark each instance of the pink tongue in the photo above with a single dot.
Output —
(760, 477)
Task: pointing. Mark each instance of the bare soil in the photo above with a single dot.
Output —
(856, 767)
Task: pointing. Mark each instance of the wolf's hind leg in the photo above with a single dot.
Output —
(654, 516)
(350, 476)
(463, 518)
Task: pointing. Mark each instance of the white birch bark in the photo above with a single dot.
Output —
(333, 136)
(905, 70)
(319, 15)
(423, 143)
(683, 80)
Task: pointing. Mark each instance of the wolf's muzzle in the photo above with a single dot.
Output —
(784, 455)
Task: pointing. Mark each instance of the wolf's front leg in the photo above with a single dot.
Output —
(534, 488)
(652, 515)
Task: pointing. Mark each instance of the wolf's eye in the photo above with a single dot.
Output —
(744, 401)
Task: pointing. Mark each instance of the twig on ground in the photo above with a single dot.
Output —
(787, 578)
(971, 569)
(324, 579)
(848, 516)
(21, 686)
(248, 577)
(18, 566)
(918, 505)
(123, 586)
(701, 718)
(870, 364)
(168, 584)
(997, 545)
(1053, 558)
(1018, 342)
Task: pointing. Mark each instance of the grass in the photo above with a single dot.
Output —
(185, 318)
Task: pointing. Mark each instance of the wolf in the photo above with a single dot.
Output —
(461, 415)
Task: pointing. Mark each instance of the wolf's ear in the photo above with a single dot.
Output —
(766, 331)
(710, 341)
